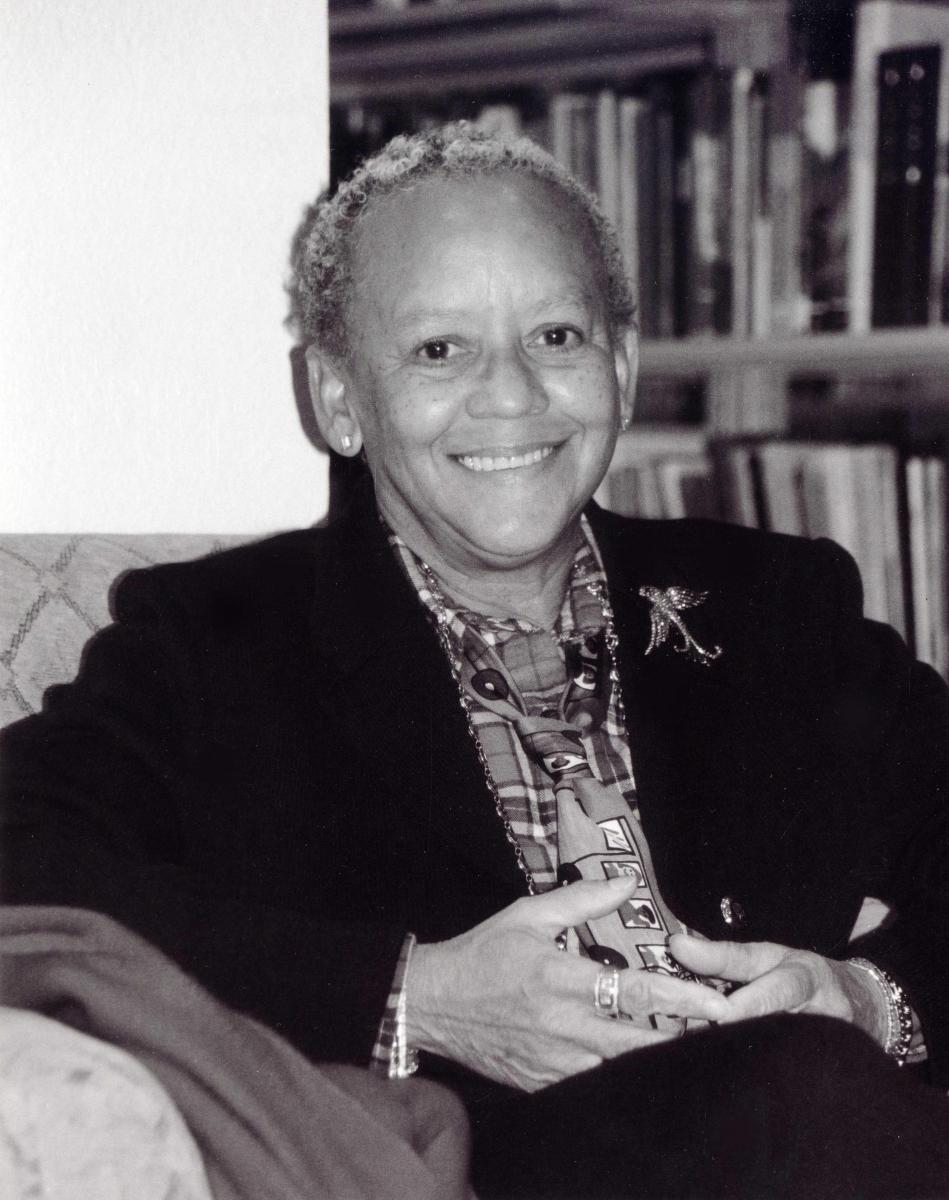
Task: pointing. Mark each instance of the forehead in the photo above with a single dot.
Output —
(442, 234)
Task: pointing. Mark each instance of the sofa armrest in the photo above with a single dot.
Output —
(83, 1120)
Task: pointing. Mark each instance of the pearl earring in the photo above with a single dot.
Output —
(346, 442)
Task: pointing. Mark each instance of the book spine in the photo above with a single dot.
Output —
(709, 288)
(647, 176)
(734, 472)
(937, 557)
(908, 91)
(919, 559)
(607, 154)
(761, 220)
(789, 310)
(938, 276)
(631, 119)
(887, 498)
(665, 210)
(874, 32)
(741, 189)
(826, 232)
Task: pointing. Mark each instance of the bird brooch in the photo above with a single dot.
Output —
(665, 615)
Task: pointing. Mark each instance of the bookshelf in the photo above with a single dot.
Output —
(382, 52)
(797, 82)
(465, 50)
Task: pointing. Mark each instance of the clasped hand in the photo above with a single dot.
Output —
(504, 1001)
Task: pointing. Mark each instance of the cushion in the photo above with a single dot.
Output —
(82, 1119)
(54, 594)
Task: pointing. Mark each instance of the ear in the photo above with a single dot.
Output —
(626, 358)
(329, 395)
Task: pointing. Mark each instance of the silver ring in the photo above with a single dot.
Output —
(606, 992)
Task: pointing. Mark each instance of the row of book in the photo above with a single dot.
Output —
(762, 203)
(887, 508)
(728, 190)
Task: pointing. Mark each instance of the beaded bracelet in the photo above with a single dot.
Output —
(899, 1015)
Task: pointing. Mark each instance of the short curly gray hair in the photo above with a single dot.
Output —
(323, 247)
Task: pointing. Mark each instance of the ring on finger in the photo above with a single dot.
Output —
(606, 992)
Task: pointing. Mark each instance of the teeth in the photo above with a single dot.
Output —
(480, 462)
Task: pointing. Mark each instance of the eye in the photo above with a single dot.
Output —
(559, 337)
(436, 350)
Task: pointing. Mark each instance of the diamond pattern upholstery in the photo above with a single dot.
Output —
(54, 594)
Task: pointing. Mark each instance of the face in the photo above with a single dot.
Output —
(484, 379)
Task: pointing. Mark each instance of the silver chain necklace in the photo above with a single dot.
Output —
(597, 590)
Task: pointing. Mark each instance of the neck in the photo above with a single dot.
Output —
(532, 591)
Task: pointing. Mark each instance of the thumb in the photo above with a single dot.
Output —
(737, 961)
(579, 902)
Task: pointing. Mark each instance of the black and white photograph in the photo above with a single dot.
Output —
(474, 619)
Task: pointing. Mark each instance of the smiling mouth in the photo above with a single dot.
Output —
(503, 462)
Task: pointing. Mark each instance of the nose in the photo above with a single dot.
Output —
(507, 386)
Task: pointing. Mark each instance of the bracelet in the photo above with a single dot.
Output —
(899, 1015)
(404, 1061)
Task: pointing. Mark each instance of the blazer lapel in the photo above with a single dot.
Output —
(678, 713)
(420, 764)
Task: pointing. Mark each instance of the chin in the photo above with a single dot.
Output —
(517, 541)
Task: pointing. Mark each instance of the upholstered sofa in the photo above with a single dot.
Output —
(54, 594)
(78, 1118)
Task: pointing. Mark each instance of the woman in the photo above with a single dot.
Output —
(337, 775)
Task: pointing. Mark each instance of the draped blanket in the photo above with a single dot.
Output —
(270, 1124)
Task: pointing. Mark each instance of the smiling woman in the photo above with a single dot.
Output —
(485, 379)
(340, 774)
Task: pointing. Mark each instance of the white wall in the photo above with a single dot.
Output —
(155, 156)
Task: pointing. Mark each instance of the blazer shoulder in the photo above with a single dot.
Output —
(717, 554)
(258, 575)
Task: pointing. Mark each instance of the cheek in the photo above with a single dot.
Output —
(590, 394)
(412, 422)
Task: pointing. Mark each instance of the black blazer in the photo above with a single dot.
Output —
(264, 768)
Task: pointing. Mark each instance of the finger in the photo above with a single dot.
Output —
(580, 902)
(643, 993)
(785, 989)
(612, 1038)
(737, 961)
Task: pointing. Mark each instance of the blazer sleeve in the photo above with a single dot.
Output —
(893, 713)
(89, 818)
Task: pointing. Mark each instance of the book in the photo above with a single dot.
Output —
(825, 209)
(742, 206)
(633, 198)
(573, 137)
(882, 26)
(709, 288)
(908, 96)
(687, 487)
(782, 475)
(848, 493)
(919, 558)
(761, 228)
(937, 560)
(790, 312)
(664, 186)
(926, 493)
(606, 120)
(738, 474)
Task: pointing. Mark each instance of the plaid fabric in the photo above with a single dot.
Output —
(385, 1060)
(535, 658)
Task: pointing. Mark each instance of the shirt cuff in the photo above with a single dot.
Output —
(391, 1056)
